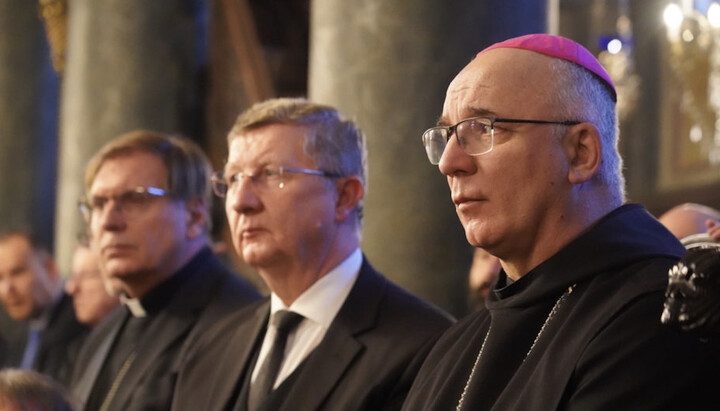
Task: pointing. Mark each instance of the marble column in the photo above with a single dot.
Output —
(130, 64)
(387, 64)
(28, 112)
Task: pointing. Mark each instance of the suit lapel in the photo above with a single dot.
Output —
(165, 331)
(85, 384)
(170, 324)
(331, 359)
(232, 363)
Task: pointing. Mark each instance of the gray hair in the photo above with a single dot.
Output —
(334, 143)
(582, 96)
(28, 389)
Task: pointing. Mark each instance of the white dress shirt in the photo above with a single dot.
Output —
(319, 304)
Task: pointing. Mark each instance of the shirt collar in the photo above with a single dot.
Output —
(322, 301)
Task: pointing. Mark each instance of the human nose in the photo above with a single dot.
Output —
(111, 216)
(454, 159)
(71, 286)
(242, 198)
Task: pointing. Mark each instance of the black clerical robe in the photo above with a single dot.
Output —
(603, 347)
(178, 311)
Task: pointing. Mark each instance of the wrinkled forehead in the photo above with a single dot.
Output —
(500, 82)
(129, 170)
(268, 143)
(15, 245)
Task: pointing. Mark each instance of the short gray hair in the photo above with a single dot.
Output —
(28, 389)
(334, 143)
(582, 96)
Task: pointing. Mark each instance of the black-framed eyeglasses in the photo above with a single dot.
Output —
(265, 178)
(475, 135)
(129, 203)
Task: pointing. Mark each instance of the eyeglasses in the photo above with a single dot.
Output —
(267, 177)
(82, 276)
(129, 203)
(475, 135)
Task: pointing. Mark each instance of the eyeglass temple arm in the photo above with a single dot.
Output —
(562, 123)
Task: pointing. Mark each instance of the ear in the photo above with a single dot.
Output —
(584, 151)
(196, 217)
(350, 190)
(48, 262)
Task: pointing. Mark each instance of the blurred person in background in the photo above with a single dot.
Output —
(483, 274)
(689, 218)
(91, 295)
(26, 390)
(31, 290)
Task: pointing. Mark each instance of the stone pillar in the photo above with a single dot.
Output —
(130, 64)
(387, 64)
(28, 109)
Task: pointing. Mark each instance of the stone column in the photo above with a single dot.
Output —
(387, 64)
(130, 64)
(28, 109)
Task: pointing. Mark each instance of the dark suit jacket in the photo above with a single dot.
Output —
(9, 332)
(208, 295)
(367, 360)
(59, 344)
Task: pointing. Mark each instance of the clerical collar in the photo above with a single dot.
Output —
(133, 305)
(159, 297)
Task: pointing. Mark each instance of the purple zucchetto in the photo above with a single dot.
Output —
(559, 47)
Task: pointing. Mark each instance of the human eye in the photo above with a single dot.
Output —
(231, 178)
(19, 271)
(270, 173)
(97, 203)
(472, 131)
(476, 127)
(134, 199)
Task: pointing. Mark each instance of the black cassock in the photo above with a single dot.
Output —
(602, 347)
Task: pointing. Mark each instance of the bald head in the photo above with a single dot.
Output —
(688, 219)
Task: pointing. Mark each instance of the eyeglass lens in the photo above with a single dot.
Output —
(266, 177)
(474, 135)
(129, 203)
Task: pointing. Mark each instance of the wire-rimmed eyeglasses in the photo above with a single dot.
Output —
(475, 135)
(267, 177)
(129, 203)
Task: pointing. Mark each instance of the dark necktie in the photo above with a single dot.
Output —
(263, 385)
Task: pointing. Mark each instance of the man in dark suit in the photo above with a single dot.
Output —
(31, 290)
(294, 184)
(147, 204)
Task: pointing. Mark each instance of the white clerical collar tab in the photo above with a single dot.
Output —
(134, 305)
